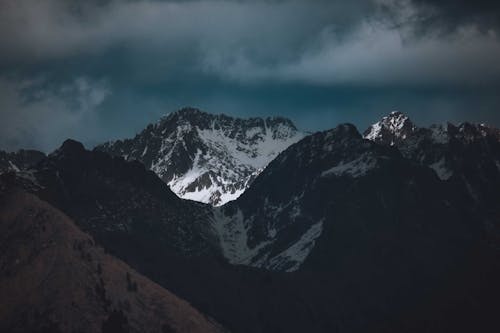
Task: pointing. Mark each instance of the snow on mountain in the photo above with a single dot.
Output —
(391, 128)
(205, 157)
(354, 168)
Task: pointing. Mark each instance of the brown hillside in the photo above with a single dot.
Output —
(53, 278)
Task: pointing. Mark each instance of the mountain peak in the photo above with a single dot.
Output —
(208, 157)
(347, 130)
(69, 146)
(187, 111)
(390, 129)
(202, 118)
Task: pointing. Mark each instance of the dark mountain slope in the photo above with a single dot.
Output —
(336, 179)
(54, 279)
(123, 204)
(466, 157)
(376, 236)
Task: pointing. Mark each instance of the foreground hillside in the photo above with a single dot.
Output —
(53, 278)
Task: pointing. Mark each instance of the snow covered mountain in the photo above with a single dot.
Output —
(205, 157)
(391, 129)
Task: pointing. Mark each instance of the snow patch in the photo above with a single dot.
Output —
(439, 134)
(233, 237)
(374, 132)
(298, 252)
(441, 170)
(14, 167)
(355, 168)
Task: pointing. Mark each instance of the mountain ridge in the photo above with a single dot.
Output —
(338, 232)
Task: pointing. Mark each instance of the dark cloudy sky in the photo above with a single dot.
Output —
(97, 70)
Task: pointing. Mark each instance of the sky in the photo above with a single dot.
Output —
(98, 70)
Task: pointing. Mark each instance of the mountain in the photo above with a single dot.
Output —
(374, 234)
(20, 160)
(466, 156)
(337, 233)
(205, 157)
(336, 180)
(121, 203)
(390, 129)
(53, 278)
(446, 149)
(134, 216)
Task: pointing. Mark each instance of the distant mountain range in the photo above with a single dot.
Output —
(393, 230)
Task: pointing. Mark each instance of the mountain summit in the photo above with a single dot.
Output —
(206, 157)
(390, 129)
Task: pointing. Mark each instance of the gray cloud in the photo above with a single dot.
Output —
(375, 54)
(451, 14)
(318, 42)
(38, 115)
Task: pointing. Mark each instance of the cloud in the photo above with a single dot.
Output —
(361, 42)
(38, 115)
(267, 31)
(452, 14)
(375, 54)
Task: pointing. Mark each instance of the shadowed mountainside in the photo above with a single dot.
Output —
(53, 278)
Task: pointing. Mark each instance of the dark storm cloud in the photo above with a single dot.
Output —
(311, 60)
(266, 30)
(37, 114)
(450, 14)
(317, 42)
